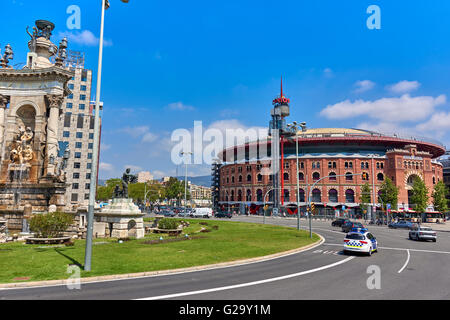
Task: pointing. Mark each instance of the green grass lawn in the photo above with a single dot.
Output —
(231, 241)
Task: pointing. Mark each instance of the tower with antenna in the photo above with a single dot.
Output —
(277, 126)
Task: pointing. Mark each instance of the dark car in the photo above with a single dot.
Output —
(339, 222)
(223, 214)
(349, 225)
(168, 213)
(401, 224)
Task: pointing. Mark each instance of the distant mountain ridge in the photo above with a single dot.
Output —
(204, 181)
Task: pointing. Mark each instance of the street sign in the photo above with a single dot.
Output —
(275, 211)
(388, 206)
(343, 207)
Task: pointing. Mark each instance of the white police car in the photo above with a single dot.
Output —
(359, 240)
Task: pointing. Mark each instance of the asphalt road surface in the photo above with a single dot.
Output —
(401, 269)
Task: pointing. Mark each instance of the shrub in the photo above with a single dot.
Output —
(50, 225)
(167, 224)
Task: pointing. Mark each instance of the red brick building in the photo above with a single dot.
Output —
(336, 152)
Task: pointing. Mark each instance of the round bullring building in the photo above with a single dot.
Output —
(244, 179)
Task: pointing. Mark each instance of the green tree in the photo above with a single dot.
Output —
(439, 195)
(365, 198)
(419, 196)
(105, 193)
(155, 191)
(174, 190)
(136, 191)
(389, 193)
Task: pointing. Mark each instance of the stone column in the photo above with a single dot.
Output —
(52, 132)
(3, 102)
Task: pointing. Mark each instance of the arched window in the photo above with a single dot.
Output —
(316, 176)
(239, 196)
(301, 176)
(232, 195)
(348, 176)
(333, 195)
(434, 180)
(301, 194)
(380, 177)
(249, 195)
(332, 176)
(232, 179)
(259, 177)
(226, 197)
(286, 176)
(240, 178)
(316, 195)
(249, 178)
(259, 195)
(286, 195)
(349, 196)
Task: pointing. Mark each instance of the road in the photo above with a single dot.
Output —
(401, 269)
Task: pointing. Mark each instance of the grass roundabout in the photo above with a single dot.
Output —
(207, 242)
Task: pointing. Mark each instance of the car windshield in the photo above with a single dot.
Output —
(358, 224)
(355, 236)
(425, 229)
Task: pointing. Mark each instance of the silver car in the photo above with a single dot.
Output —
(422, 233)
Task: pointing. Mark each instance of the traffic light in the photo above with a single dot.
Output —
(312, 207)
(365, 176)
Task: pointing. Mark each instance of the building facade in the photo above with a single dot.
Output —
(76, 131)
(200, 195)
(144, 176)
(343, 155)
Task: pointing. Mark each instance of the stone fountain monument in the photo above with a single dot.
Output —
(121, 218)
(31, 173)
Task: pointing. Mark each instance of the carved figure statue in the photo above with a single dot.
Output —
(21, 151)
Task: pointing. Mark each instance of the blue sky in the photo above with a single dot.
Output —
(168, 64)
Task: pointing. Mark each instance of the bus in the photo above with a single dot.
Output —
(408, 215)
(434, 217)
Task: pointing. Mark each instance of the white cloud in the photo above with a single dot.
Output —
(106, 166)
(405, 108)
(363, 86)
(158, 174)
(404, 86)
(132, 167)
(179, 106)
(149, 137)
(104, 146)
(140, 131)
(439, 122)
(328, 73)
(85, 38)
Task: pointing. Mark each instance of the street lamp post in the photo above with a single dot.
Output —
(296, 127)
(185, 181)
(264, 219)
(93, 181)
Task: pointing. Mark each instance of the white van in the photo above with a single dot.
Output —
(202, 212)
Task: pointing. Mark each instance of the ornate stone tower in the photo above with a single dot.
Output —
(31, 165)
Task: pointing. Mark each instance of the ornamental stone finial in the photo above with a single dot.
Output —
(8, 55)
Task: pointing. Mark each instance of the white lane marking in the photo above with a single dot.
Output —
(387, 248)
(406, 263)
(253, 283)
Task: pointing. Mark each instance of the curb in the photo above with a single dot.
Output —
(164, 272)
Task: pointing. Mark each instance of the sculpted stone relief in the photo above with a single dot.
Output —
(21, 149)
